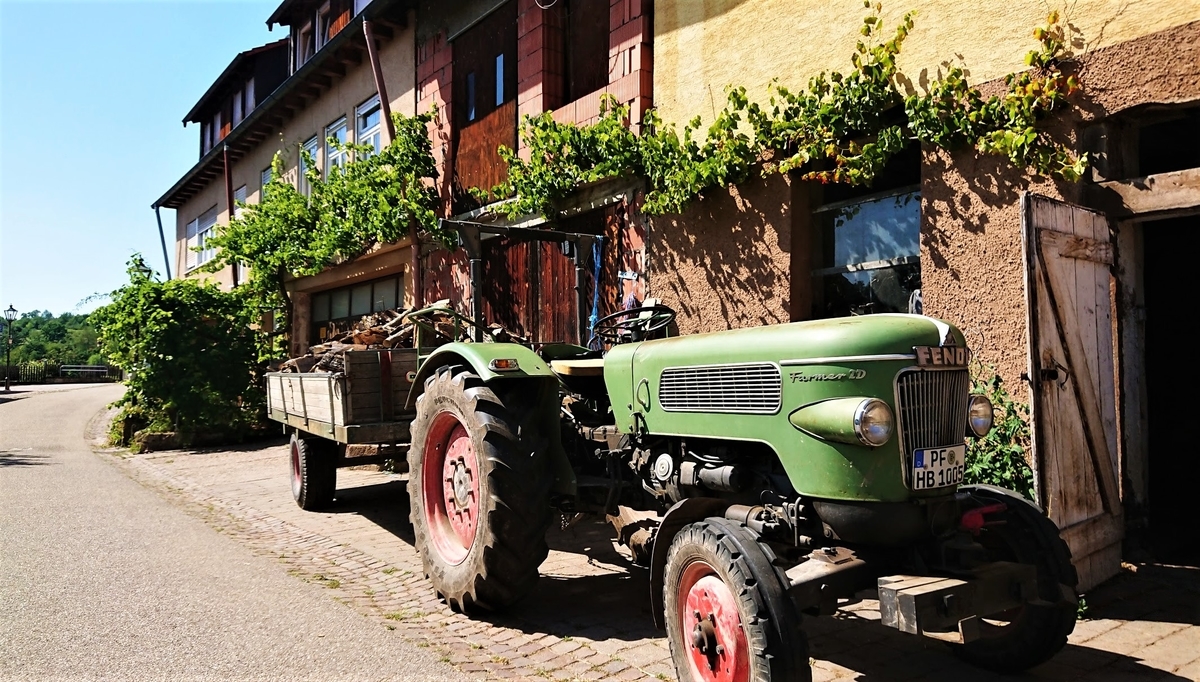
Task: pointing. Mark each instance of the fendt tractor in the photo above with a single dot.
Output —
(761, 474)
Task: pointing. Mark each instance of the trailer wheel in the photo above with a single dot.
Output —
(727, 617)
(477, 493)
(1022, 638)
(314, 471)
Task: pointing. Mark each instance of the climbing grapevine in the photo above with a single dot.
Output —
(841, 128)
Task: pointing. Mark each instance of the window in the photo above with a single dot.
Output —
(870, 254)
(499, 79)
(305, 44)
(250, 101)
(335, 312)
(218, 133)
(264, 178)
(485, 56)
(311, 148)
(239, 198)
(199, 231)
(334, 156)
(366, 127)
(237, 107)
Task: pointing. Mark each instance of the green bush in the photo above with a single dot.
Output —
(189, 351)
(999, 458)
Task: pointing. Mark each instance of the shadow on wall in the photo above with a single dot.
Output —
(724, 262)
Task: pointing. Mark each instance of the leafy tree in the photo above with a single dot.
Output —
(189, 353)
(376, 198)
(40, 336)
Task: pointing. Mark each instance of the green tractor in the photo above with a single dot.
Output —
(761, 475)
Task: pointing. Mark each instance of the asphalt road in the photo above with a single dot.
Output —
(100, 578)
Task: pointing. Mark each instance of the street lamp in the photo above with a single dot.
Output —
(10, 315)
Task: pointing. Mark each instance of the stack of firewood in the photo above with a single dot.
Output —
(386, 329)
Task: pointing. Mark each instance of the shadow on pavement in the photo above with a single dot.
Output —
(384, 504)
(1149, 592)
(879, 654)
(13, 459)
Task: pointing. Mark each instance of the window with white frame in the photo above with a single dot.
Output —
(335, 156)
(239, 198)
(311, 148)
(366, 129)
(199, 232)
(237, 108)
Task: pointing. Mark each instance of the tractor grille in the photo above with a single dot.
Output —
(752, 388)
(932, 407)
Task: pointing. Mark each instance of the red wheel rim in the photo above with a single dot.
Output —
(715, 641)
(450, 488)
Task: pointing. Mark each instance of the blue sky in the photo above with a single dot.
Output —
(91, 100)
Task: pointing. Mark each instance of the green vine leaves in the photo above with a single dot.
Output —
(842, 128)
(375, 198)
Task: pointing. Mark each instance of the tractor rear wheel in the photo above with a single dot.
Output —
(1024, 637)
(728, 619)
(314, 471)
(478, 493)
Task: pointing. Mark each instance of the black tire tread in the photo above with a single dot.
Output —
(514, 515)
(318, 472)
(1041, 631)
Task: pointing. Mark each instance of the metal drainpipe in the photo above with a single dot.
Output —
(385, 108)
(229, 201)
(162, 236)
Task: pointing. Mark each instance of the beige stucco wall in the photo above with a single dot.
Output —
(725, 261)
(399, 71)
(702, 46)
(971, 252)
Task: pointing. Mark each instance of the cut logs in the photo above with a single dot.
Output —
(389, 329)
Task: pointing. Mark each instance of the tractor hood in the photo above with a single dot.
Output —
(742, 384)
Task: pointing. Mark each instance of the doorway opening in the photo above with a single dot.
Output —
(1173, 465)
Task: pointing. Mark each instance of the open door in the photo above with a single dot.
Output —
(1068, 289)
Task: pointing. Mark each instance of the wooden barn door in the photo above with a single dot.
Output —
(1069, 294)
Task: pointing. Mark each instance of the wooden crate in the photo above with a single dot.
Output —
(377, 384)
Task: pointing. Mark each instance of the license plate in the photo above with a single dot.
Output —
(938, 467)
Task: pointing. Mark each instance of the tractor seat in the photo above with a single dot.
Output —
(591, 367)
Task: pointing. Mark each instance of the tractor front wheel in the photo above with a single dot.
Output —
(477, 494)
(728, 619)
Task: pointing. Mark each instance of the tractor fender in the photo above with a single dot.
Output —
(545, 401)
(679, 515)
(478, 356)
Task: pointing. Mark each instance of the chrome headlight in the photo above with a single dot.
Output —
(979, 416)
(873, 422)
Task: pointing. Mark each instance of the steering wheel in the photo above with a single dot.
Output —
(634, 324)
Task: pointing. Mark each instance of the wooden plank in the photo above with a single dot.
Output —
(1071, 324)
(1157, 193)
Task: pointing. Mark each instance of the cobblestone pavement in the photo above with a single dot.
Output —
(589, 617)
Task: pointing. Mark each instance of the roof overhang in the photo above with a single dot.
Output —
(308, 83)
(217, 86)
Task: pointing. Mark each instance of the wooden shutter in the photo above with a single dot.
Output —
(1068, 263)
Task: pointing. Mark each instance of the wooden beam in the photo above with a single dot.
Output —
(1152, 194)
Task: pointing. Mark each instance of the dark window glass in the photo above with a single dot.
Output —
(339, 304)
(385, 295)
(870, 255)
(320, 307)
(360, 300)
